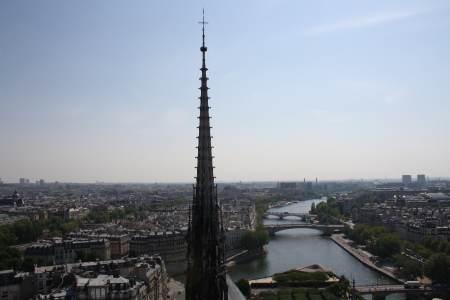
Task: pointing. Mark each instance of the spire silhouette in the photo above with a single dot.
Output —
(205, 277)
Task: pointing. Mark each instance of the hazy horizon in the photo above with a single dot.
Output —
(107, 90)
(383, 180)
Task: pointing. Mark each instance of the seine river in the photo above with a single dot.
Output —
(295, 248)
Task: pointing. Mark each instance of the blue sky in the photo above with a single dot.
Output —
(107, 90)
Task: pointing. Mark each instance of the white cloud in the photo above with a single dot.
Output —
(360, 22)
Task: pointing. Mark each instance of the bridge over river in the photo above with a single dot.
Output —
(282, 215)
(274, 228)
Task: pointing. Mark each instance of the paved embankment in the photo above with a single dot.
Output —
(362, 257)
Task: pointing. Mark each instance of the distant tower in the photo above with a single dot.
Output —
(205, 277)
(406, 179)
(421, 179)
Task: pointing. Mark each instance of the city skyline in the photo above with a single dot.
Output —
(335, 92)
(40, 181)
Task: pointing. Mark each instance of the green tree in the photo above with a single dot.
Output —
(437, 245)
(26, 230)
(29, 262)
(256, 239)
(339, 289)
(69, 226)
(7, 236)
(438, 268)
(244, 287)
(328, 212)
(408, 268)
(386, 246)
(262, 236)
(10, 258)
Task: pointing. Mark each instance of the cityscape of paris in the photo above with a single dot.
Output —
(225, 150)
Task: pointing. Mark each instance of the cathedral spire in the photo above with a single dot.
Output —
(205, 277)
(203, 29)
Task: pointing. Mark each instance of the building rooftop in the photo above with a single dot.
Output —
(100, 280)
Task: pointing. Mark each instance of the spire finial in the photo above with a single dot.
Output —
(203, 29)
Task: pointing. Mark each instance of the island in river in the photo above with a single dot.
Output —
(293, 248)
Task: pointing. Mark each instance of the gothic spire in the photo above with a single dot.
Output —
(204, 160)
(205, 278)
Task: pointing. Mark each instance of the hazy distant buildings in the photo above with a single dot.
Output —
(24, 181)
(406, 179)
(287, 185)
(421, 180)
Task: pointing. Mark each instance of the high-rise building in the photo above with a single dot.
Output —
(206, 274)
(406, 179)
(421, 180)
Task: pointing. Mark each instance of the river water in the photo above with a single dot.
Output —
(295, 248)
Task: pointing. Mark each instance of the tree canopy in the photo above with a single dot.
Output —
(256, 239)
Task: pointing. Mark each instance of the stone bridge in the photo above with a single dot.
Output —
(325, 228)
(282, 215)
(381, 291)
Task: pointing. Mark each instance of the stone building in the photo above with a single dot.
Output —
(119, 243)
(140, 278)
(171, 245)
(109, 287)
(59, 251)
(15, 286)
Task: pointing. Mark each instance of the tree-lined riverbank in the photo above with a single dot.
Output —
(301, 247)
(362, 256)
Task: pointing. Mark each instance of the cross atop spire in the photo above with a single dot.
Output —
(203, 48)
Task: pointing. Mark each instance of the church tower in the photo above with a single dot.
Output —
(206, 275)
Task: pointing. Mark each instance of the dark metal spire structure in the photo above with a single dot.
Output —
(206, 276)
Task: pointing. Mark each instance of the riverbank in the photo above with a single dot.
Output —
(245, 256)
(362, 256)
(284, 203)
(291, 248)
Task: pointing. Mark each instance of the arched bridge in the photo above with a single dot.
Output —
(381, 291)
(279, 227)
(282, 215)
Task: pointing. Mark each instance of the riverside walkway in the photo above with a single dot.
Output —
(362, 257)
